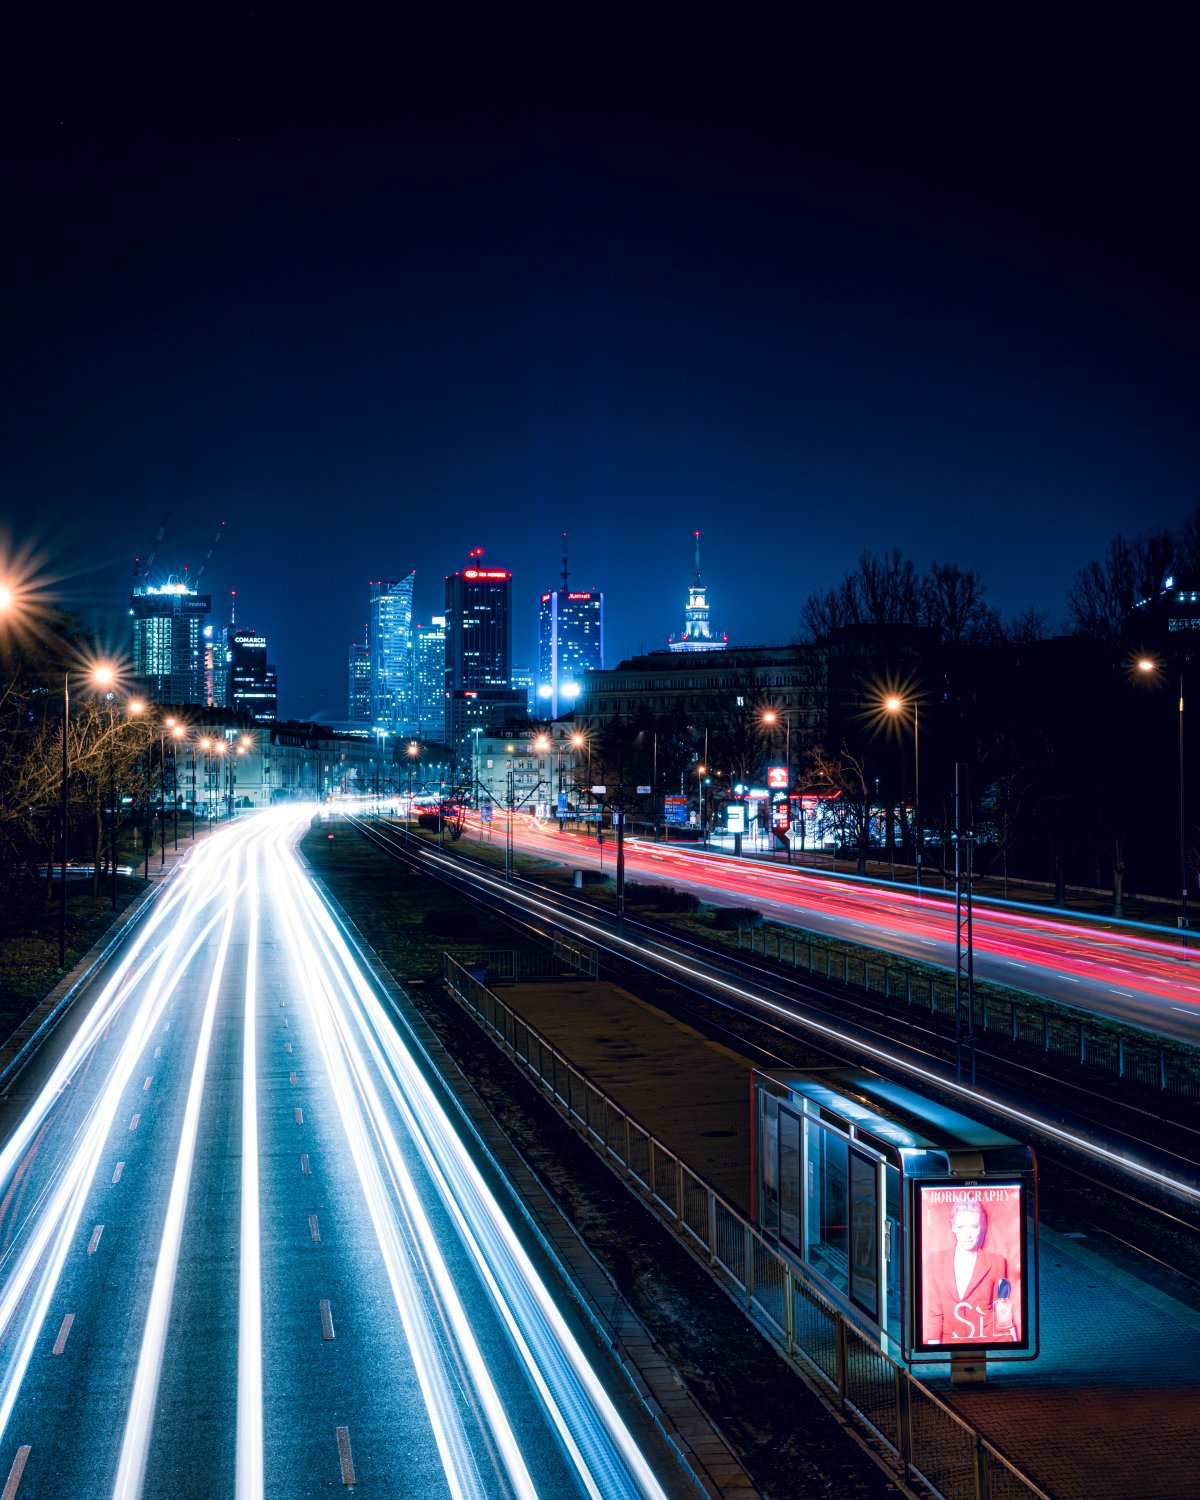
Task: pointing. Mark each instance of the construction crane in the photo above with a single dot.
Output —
(142, 570)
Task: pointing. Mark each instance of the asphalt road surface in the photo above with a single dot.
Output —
(243, 1251)
(1118, 971)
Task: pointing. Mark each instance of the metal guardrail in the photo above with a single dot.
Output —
(521, 965)
(920, 1435)
(1022, 1019)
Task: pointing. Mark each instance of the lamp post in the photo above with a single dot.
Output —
(62, 848)
(896, 705)
(220, 750)
(1148, 665)
(413, 751)
(105, 676)
(177, 733)
(772, 716)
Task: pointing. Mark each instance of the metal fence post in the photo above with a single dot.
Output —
(843, 1374)
(1162, 1069)
(1120, 1056)
(903, 1420)
(1082, 1042)
(712, 1227)
(748, 1235)
(982, 1470)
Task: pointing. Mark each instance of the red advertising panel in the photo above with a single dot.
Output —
(971, 1286)
(781, 817)
(777, 778)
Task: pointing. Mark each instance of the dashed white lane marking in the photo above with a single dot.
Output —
(1127, 993)
(147, 1084)
(305, 1169)
(326, 1319)
(287, 1046)
(299, 1116)
(64, 1332)
(167, 1027)
(22, 1458)
(1186, 1010)
(314, 1229)
(292, 1079)
(285, 1020)
(117, 1170)
(133, 1124)
(344, 1456)
(94, 1242)
(158, 1051)
(1015, 964)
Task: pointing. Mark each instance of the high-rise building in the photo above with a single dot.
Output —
(523, 681)
(697, 630)
(429, 719)
(478, 650)
(570, 641)
(253, 686)
(359, 673)
(389, 645)
(168, 647)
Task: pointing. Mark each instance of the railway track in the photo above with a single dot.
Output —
(1126, 1172)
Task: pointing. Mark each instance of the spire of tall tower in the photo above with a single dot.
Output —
(697, 557)
(232, 608)
(564, 575)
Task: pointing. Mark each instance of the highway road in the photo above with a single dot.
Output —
(1121, 971)
(243, 1250)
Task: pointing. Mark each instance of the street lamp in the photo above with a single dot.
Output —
(897, 705)
(771, 717)
(177, 733)
(1148, 665)
(220, 750)
(105, 677)
(412, 750)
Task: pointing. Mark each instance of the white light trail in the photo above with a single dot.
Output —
(139, 1423)
(249, 1390)
(607, 1460)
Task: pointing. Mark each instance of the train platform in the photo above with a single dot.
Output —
(1111, 1407)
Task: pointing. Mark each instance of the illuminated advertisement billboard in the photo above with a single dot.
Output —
(777, 778)
(781, 817)
(971, 1286)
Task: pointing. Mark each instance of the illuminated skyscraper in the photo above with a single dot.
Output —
(697, 631)
(359, 676)
(478, 649)
(429, 719)
(168, 645)
(253, 687)
(389, 643)
(570, 641)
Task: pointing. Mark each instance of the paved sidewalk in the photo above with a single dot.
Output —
(1111, 1408)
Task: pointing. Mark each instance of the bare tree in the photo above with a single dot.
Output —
(844, 776)
(952, 601)
(1104, 591)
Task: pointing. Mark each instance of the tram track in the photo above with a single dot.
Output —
(1140, 1191)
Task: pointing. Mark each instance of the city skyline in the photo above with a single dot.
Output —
(372, 337)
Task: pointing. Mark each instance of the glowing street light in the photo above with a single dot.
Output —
(893, 704)
(1148, 666)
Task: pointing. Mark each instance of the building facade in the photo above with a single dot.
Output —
(570, 642)
(390, 652)
(168, 643)
(478, 667)
(252, 682)
(358, 684)
(429, 720)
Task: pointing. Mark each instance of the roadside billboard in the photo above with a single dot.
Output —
(970, 1281)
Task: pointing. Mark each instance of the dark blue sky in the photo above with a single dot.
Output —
(369, 337)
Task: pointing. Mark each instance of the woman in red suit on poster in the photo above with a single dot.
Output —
(966, 1293)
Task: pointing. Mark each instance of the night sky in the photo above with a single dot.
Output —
(372, 309)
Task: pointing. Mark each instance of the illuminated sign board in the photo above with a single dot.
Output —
(735, 818)
(971, 1284)
(777, 778)
(486, 573)
(579, 596)
(675, 809)
(781, 817)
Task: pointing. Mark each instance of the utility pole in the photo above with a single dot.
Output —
(964, 970)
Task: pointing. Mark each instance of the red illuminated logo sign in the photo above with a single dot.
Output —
(486, 573)
(777, 778)
(578, 596)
